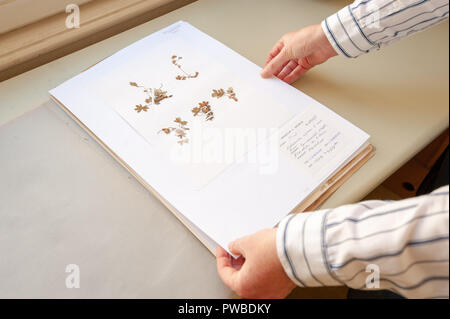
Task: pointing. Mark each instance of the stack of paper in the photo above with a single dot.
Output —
(227, 152)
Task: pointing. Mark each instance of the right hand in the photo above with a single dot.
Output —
(258, 272)
(297, 52)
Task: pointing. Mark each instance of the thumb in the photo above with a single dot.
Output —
(276, 64)
(236, 248)
(226, 271)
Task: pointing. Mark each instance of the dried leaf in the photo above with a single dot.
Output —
(218, 93)
(210, 116)
(204, 109)
(140, 108)
(180, 131)
(160, 95)
(231, 94)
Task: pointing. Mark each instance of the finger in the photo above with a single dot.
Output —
(294, 75)
(276, 64)
(301, 69)
(287, 69)
(274, 52)
(225, 269)
(235, 248)
(277, 71)
(237, 263)
(306, 63)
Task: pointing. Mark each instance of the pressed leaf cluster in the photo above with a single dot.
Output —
(140, 108)
(179, 130)
(204, 109)
(154, 96)
(221, 92)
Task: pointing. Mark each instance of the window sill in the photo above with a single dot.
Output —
(48, 39)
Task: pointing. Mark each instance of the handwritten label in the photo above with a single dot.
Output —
(312, 139)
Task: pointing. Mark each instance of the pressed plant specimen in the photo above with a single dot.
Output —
(203, 109)
(154, 96)
(179, 130)
(139, 108)
(185, 76)
(159, 95)
(221, 92)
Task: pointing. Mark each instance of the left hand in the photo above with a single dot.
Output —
(257, 273)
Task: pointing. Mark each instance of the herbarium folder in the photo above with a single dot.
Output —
(226, 151)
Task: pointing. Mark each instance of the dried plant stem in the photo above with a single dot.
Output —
(175, 61)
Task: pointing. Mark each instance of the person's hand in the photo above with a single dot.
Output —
(257, 273)
(297, 52)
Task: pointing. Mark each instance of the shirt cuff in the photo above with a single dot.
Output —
(346, 35)
(301, 249)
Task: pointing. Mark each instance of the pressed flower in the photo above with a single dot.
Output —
(175, 61)
(154, 96)
(180, 130)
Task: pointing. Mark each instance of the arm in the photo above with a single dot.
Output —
(356, 29)
(407, 241)
(366, 25)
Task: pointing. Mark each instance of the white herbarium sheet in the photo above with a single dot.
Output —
(154, 106)
(184, 78)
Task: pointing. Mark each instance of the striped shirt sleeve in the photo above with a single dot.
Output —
(402, 246)
(366, 25)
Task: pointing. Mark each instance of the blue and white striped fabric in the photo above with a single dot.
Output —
(366, 25)
(406, 242)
